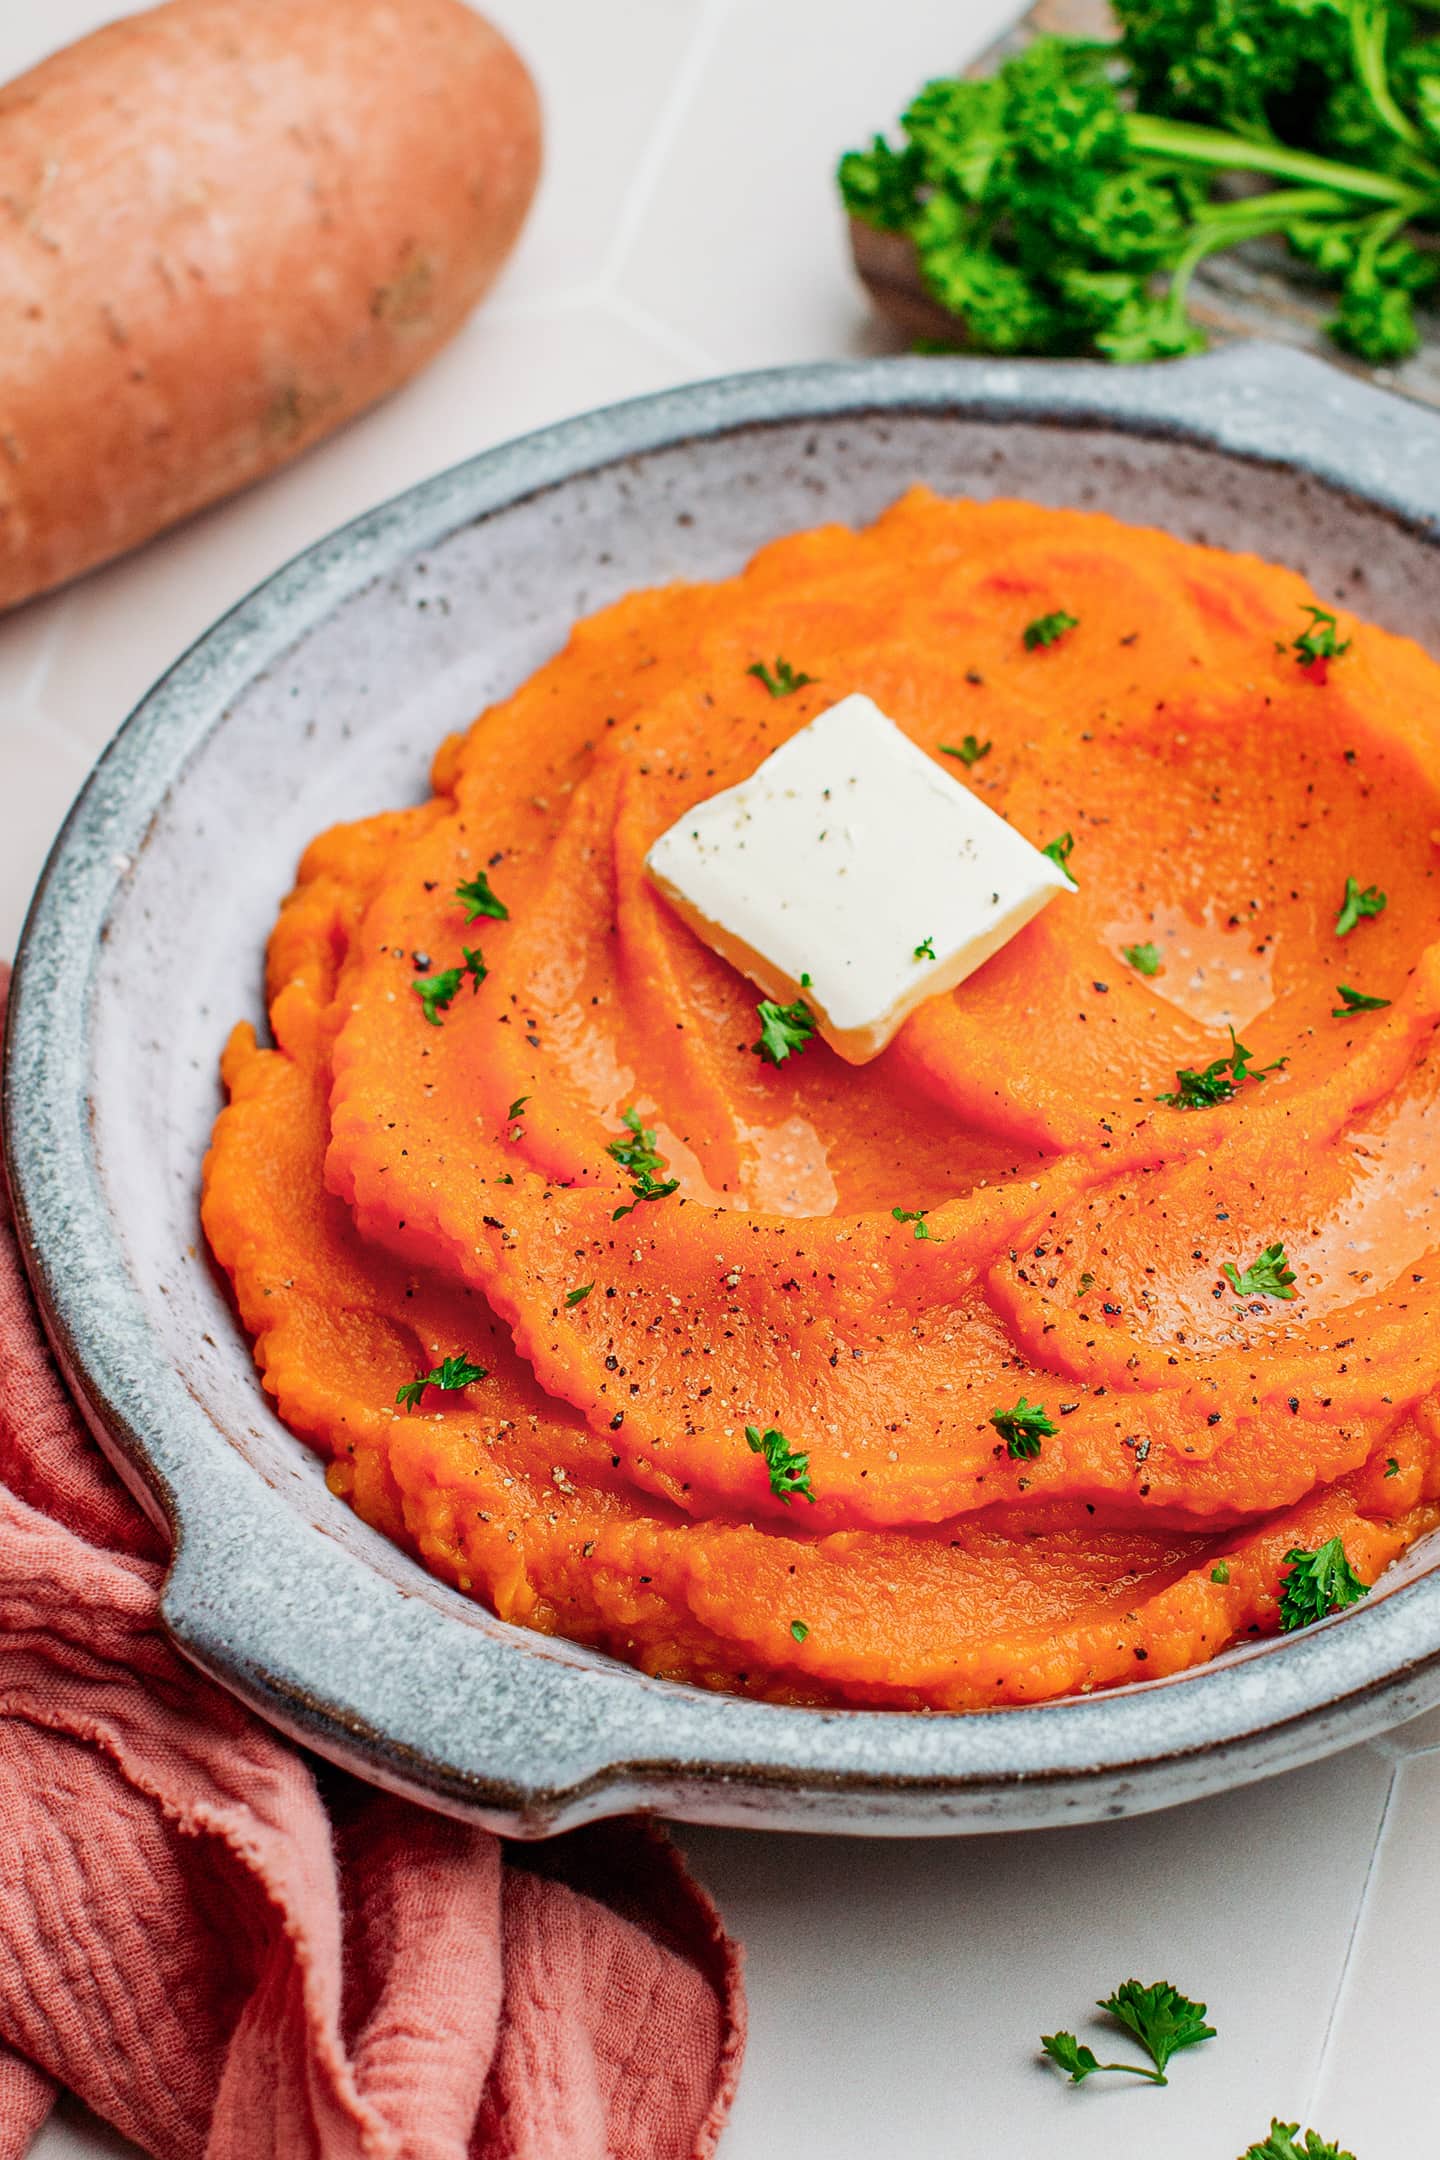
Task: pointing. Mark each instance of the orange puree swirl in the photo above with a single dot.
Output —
(380, 1205)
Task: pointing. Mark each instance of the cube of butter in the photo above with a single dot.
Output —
(851, 871)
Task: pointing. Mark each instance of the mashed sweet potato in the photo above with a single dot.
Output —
(388, 1191)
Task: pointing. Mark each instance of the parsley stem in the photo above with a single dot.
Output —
(1183, 142)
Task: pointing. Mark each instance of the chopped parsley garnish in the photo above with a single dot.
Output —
(1159, 2017)
(1318, 1583)
(917, 1216)
(1392, 1466)
(1353, 1001)
(578, 1297)
(1145, 959)
(1357, 904)
(970, 750)
(516, 1108)
(478, 899)
(784, 1029)
(1048, 629)
(637, 1155)
(437, 993)
(789, 1472)
(925, 950)
(455, 1372)
(1316, 647)
(1023, 1429)
(1220, 1573)
(1059, 852)
(782, 681)
(1282, 2145)
(1269, 1276)
(799, 1629)
(1218, 1081)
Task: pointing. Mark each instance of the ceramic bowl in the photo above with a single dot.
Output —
(321, 697)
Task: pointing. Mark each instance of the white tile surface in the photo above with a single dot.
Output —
(688, 223)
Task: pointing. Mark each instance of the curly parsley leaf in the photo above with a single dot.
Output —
(917, 1216)
(454, 1372)
(1145, 959)
(578, 1297)
(1059, 852)
(1282, 2144)
(969, 750)
(1318, 1583)
(782, 680)
(636, 1154)
(1354, 1001)
(1218, 1081)
(1357, 905)
(1269, 1276)
(784, 1030)
(1162, 2019)
(1023, 1429)
(1047, 630)
(478, 899)
(789, 1472)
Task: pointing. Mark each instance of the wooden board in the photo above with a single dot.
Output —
(1259, 291)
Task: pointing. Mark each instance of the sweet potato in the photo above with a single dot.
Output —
(228, 226)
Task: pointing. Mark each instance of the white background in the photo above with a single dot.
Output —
(688, 225)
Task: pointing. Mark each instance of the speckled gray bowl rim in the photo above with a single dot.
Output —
(497, 1726)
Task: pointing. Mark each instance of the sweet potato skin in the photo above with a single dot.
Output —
(226, 227)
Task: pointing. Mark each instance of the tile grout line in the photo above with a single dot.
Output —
(37, 675)
(682, 90)
(636, 317)
(1361, 1906)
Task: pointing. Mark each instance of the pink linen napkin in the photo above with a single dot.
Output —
(230, 1951)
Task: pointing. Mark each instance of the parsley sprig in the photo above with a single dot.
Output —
(784, 1030)
(452, 1373)
(437, 993)
(1318, 1583)
(969, 750)
(1023, 1429)
(1358, 903)
(917, 1216)
(1354, 1001)
(1064, 203)
(637, 1155)
(1145, 959)
(1047, 630)
(1282, 2145)
(1269, 1276)
(1162, 2019)
(782, 680)
(1317, 646)
(1219, 1080)
(479, 900)
(1059, 852)
(789, 1471)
